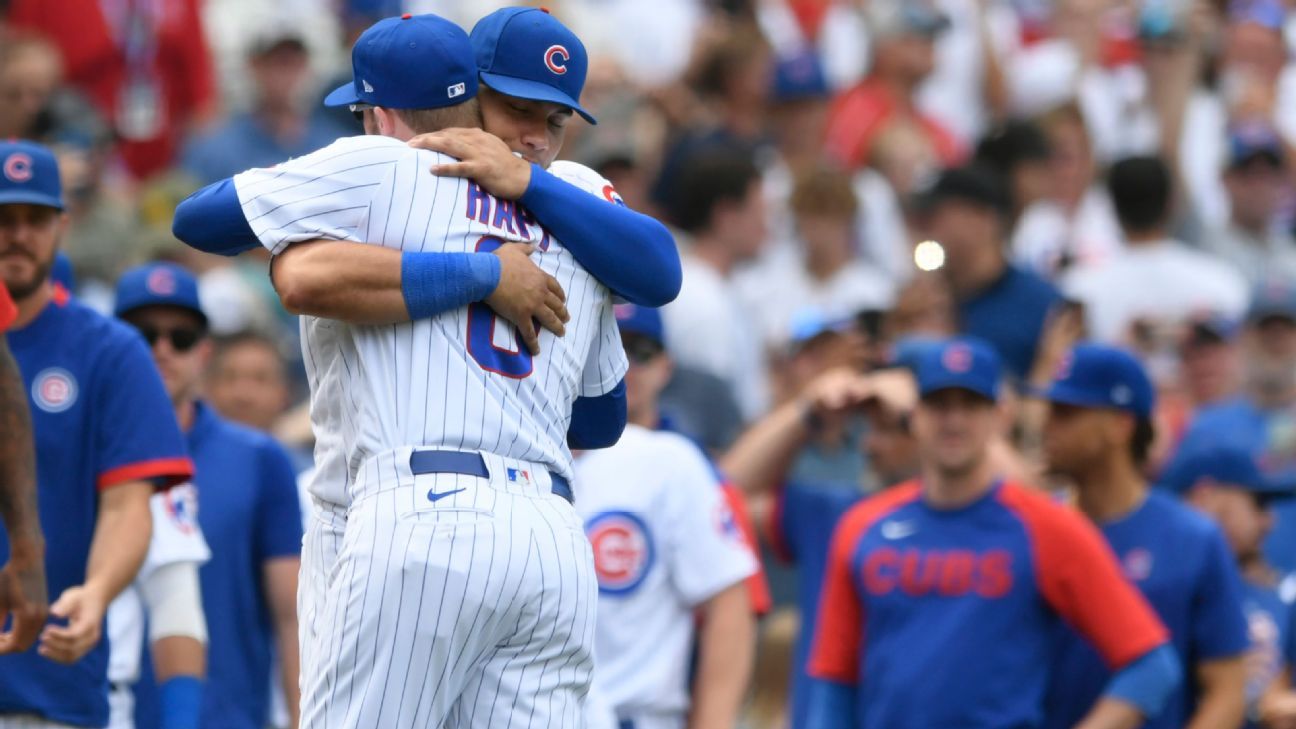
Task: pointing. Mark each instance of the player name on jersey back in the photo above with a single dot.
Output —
(461, 380)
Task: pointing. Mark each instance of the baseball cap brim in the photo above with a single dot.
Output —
(534, 91)
(934, 386)
(30, 197)
(1064, 394)
(343, 95)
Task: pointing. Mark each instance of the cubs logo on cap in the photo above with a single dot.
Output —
(161, 281)
(964, 363)
(29, 174)
(158, 284)
(528, 54)
(54, 390)
(18, 167)
(623, 551)
(957, 357)
(556, 59)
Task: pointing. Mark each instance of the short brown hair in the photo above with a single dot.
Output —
(422, 121)
(824, 191)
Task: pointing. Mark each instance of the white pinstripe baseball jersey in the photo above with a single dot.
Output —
(458, 380)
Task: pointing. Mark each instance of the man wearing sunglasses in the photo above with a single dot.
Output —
(105, 438)
(248, 510)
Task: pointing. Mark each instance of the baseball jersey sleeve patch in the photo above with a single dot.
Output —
(623, 551)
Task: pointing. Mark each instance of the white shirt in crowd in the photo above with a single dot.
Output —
(1164, 281)
(775, 294)
(664, 543)
(708, 328)
(1045, 234)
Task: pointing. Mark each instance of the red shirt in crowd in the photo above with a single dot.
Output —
(143, 63)
(863, 112)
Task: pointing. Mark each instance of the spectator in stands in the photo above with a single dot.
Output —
(827, 276)
(1142, 295)
(280, 123)
(1262, 420)
(720, 205)
(903, 34)
(247, 382)
(1076, 223)
(1018, 152)
(1256, 179)
(966, 211)
(31, 72)
(144, 65)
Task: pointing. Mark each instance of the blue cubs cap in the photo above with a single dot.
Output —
(1099, 376)
(157, 284)
(644, 321)
(527, 53)
(410, 62)
(29, 174)
(964, 363)
(1225, 465)
(799, 76)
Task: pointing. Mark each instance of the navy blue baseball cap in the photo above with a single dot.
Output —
(644, 321)
(1099, 376)
(799, 76)
(1229, 466)
(963, 363)
(527, 53)
(1250, 141)
(157, 284)
(410, 62)
(29, 174)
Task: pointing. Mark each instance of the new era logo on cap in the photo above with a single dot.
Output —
(368, 89)
(455, 90)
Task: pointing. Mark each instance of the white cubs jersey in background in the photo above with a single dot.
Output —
(459, 380)
(664, 542)
(176, 538)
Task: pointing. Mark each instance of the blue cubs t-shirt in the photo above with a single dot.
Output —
(102, 418)
(249, 512)
(1179, 560)
(1269, 626)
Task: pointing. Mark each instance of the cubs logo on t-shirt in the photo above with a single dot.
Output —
(54, 390)
(623, 550)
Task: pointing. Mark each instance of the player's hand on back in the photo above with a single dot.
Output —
(23, 600)
(527, 296)
(483, 157)
(84, 611)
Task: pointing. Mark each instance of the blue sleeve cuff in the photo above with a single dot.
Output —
(1147, 683)
(181, 702)
(212, 221)
(434, 283)
(597, 422)
(829, 705)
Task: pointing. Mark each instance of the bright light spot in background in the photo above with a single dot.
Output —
(929, 255)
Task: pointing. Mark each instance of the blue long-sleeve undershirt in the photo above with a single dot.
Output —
(597, 422)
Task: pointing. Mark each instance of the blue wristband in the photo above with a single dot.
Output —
(434, 283)
(181, 702)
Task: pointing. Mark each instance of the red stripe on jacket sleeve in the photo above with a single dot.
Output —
(170, 470)
(839, 627)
